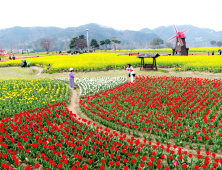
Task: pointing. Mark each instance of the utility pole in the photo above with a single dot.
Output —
(87, 30)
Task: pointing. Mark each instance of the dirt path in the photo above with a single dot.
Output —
(74, 107)
(38, 69)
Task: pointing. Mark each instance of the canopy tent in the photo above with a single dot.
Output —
(148, 55)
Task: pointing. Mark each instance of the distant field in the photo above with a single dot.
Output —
(101, 61)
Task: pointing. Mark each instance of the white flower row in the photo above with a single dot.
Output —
(94, 85)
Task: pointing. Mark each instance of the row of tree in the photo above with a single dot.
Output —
(80, 43)
(46, 44)
(214, 43)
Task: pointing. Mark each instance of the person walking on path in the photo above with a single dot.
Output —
(13, 57)
(71, 78)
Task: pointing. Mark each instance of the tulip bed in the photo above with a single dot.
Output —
(95, 85)
(20, 95)
(51, 137)
(186, 110)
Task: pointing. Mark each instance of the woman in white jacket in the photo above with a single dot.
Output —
(131, 71)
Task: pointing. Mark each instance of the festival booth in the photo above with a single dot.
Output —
(3, 52)
(148, 55)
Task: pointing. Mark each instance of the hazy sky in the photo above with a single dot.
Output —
(118, 14)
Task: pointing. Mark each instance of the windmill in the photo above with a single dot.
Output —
(180, 48)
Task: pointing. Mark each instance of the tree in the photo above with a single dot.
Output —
(94, 44)
(156, 42)
(107, 43)
(219, 43)
(213, 42)
(119, 47)
(102, 42)
(169, 44)
(24, 46)
(1, 47)
(65, 47)
(78, 42)
(33, 46)
(108, 47)
(47, 44)
(115, 41)
(11, 47)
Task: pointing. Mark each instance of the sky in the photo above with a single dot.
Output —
(118, 14)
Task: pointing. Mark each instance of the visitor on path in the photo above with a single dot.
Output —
(131, 72)
(129, 53)
(220, 52)
(48, 67)
(208, 53)
(37, 54)
(13, 57)
(71, 78)
(213, 53)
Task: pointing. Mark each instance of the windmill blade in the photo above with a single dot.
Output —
(185, 30)
(181, 42)
(172, 38)
(175, 28)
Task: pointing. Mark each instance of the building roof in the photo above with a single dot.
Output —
(148, 55)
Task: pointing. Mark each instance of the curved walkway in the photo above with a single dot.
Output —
(74, 107)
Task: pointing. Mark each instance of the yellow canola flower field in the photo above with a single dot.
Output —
(83, 61)
(169, 50)
(103, 60)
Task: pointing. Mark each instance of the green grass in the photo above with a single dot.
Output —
(30, 73)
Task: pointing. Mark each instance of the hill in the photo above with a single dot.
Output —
(195, 35)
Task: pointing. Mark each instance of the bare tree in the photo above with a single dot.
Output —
(47, 44)
(24, 46)
(17, 47)
(101, 47)
(125, 46)
(1, 47)
(134, 45)
(108, 47)
(131, 46)
(169, 44)
(119, 47)
(11, 47)
(80, 44)
(65, 47)
(33, 46)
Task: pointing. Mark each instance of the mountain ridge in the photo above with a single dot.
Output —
(144, 36)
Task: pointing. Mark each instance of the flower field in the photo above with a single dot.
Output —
(107, 61)
(161, 106)
(52, 138)
(19, 95)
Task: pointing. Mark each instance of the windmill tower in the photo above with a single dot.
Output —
(180, 48)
